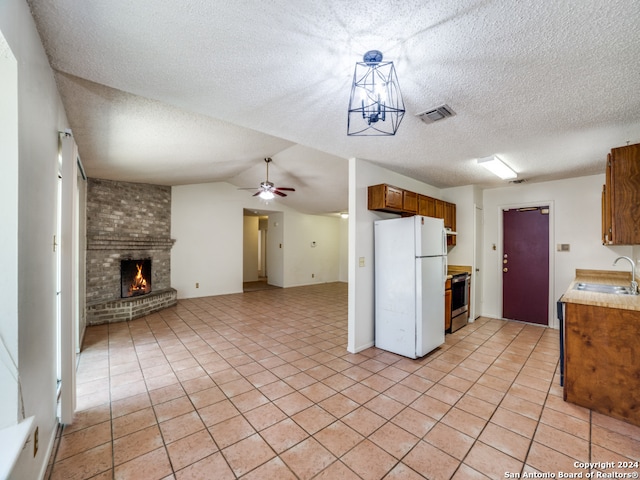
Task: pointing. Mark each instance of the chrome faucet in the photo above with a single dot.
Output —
(634, 284)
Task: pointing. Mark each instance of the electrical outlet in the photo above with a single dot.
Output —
(35, 442)
(197, 285)
(313, 275)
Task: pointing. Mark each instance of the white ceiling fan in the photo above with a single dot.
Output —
(267, 190)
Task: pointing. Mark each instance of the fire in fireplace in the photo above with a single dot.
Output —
(135, 277)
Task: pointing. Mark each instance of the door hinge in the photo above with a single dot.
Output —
(55, 244)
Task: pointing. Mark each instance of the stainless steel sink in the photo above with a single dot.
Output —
(601, 288)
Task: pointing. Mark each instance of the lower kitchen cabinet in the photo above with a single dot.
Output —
(447, 305)
(602, 360)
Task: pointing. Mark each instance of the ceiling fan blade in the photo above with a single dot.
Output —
(257, 193)
(279, 193)
(286, 189)
(246, 188)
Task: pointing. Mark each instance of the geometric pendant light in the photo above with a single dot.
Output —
(375, 104)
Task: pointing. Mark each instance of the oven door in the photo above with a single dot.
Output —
(459, 294)
(459, 301)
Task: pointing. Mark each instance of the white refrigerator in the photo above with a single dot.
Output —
(410, 275)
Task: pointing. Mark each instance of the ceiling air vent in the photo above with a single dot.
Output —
(435, 114)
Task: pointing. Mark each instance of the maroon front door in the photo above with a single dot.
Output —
(525, 265)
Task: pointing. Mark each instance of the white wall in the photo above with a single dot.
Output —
(8, 235)
(306, 264)
(275, 249)
(575, 219)
(207, 224)
(465, 199)
(206, 220)
(361, 278)
(41, 116)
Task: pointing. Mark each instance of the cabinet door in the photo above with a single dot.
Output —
(439, 209)
(426, 206)
(450, 216)
(385, 198)
(409, 202)
(606, 205)
(393, 197)
(450, 222)
(624, 194)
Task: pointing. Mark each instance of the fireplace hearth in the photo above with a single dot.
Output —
(135, 277)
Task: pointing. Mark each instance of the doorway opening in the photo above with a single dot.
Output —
(256, 248)
(525, 264)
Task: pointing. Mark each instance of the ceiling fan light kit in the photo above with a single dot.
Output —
(267, 190)
(266, 195)
(375, 105)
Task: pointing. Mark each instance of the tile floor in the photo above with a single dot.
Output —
(260, 386)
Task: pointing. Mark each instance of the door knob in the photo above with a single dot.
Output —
(505, 269)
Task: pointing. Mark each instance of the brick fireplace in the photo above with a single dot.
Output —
(127, 221)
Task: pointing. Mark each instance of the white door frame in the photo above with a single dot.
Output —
(69, 284)
(478, 249)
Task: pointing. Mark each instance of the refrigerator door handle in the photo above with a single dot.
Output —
(444, 241)
(445, 264)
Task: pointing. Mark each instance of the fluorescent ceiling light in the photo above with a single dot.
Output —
(497, 167)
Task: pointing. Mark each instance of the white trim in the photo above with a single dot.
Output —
(69, 245)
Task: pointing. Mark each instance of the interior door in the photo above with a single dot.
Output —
(525, 265)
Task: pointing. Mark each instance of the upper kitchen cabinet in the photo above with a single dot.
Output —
(450, 222)
(426, 206)
(385, 198)
(409, 202)
(450, 216)
(621, 197)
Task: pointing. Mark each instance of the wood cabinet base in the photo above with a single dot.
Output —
(602, 360)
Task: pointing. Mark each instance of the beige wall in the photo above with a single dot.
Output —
(250, 249)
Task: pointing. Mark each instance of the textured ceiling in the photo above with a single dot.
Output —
(201, 90)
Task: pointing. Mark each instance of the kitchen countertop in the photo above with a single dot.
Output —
(455, 269)
(609, 300)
